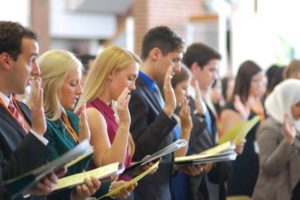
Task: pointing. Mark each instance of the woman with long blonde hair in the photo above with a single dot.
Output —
(111, 79)
(61, 75)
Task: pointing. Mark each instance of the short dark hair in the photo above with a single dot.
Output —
(85, 59)
(200, 53)
(11, 35)
(163, 38)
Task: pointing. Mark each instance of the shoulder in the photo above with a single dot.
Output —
(270, 125)
(94, 115)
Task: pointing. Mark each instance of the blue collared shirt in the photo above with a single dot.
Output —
(152, 86)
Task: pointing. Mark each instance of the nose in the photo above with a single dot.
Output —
(215, 75)
(79, 89)
(35, 70)
(176, 67)
(132, 86)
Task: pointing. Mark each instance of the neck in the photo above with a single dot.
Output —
(147, 68)
(4, 88)
(105, 97)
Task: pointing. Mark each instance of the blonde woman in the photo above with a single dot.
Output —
(111, 79)
(61, 75)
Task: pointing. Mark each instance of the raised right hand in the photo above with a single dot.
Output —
(289, 130)
(185, 116)
(37, 110)
(198, 97)
(84, 129)
(122, 107)
(170, 99)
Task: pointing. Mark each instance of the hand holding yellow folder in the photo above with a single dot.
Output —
(131, 182)
(237, 133)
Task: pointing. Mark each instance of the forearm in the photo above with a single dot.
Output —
(118, 149)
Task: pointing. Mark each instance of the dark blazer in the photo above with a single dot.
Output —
(152, 130)
(18, 162)
(11, 136)
(200, 140)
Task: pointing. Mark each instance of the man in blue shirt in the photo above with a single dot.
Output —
(152, 122)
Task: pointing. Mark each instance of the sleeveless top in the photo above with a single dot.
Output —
(112, 125)
(246, 166)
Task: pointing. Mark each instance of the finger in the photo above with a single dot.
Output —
(84, 190)
(127, 100)
(43, 188)
(96, 183)
(88, 183)
(52, 178)
(61, 171)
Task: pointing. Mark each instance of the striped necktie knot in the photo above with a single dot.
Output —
(17, 115)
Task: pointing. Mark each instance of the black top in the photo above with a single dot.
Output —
(246, 166)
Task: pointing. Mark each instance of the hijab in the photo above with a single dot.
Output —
(282, 98)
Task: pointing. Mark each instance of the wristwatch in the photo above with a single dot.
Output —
(200, 116)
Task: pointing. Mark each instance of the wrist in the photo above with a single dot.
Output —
(168, 112)
(199, 115)
(124, 126)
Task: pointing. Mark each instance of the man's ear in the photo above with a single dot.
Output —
(155, 53)
(5, 61)
(195, 68)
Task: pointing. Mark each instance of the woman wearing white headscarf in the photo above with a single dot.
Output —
(279, 156)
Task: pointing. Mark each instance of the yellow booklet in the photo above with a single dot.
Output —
(99, 173)
(131, 182)
(237, 133)
(225, 149)
(18, 185)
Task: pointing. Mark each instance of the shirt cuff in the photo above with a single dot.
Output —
(40, 138)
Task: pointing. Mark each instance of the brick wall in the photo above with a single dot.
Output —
(151, 13)
(40, 22)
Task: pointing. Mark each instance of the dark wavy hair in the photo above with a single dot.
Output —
(200, 53)
(11, 35)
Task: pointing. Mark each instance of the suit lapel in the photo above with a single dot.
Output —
(6, 116)
(150, 97)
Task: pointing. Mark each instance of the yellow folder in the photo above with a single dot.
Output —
(131, 182)
(99, 173)
(213, 152)
(237, 133)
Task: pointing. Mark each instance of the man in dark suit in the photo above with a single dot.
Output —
(152, 122)
(17, 163)
(202, 61)
(18, 52)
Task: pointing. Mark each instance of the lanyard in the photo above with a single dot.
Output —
(69, 127)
